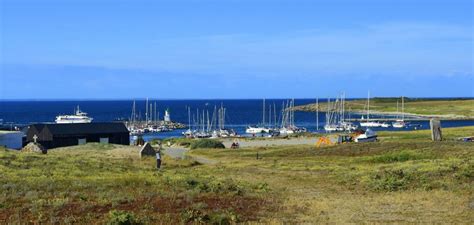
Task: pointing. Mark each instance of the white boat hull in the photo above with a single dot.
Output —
(63, 121)
(370, 124)
(366, 139)
(257, 130)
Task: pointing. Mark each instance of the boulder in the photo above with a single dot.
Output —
(34, 147)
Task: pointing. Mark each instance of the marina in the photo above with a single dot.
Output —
(236, 112)
(182, 119)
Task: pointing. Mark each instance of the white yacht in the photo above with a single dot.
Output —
(78, 117)
(369, 123)
(400, 123)
(259, 129)
(348, 126)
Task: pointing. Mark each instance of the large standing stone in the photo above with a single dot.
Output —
(147, 150)
(435, 126)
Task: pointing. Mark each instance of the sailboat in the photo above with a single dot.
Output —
(288, 120)
(189, 133)
(222, 131)
(259, 129)
(369, 123)
(331, 124)
(336, 116)
(400, 123)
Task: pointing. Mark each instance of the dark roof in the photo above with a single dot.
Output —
(82, 128)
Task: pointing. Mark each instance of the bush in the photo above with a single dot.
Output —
(207, 143)
(401, 156)
(389, 180)
(194, 216)
(224, 218)
(122, 218)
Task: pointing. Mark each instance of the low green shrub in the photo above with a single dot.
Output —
(207, 143)
(400, 156)
(224, 218)
(117, 217)
(194, 216)
(389, 180)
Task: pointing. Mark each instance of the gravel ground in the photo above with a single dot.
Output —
(272, 142)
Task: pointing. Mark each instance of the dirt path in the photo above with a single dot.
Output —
(180, 153)
(273, 142)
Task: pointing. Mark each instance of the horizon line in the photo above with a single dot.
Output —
(197, 99)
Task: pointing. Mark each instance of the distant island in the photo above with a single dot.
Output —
(446, 109)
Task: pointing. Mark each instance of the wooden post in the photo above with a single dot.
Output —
(435, 126)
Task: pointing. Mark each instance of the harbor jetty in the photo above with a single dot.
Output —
(151, 123)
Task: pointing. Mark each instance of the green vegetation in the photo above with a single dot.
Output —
(403, 178)
(122, 218)
(454, 108)
(183, 142)
(207, 143)
(85, 184)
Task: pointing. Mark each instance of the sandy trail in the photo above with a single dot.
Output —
(180, 153)
(272, 142)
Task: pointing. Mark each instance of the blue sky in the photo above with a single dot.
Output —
(104, 49)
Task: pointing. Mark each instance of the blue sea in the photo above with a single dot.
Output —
(239, 113)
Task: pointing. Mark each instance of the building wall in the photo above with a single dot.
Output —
(71, 140)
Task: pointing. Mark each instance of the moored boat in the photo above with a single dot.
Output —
(367, 136)
(78, 117)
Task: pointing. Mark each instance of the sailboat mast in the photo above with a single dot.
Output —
(203, 120)
(343, 106)
(263, 114)
(151, 112)
(189, 117)
(292, 112)
(270, 116)
(146, 110)
(317, 113)
(403, 108)
(133, 116)
(398, 112)
(274, 115)
(368, 106)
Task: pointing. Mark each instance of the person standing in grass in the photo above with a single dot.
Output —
(158, 159)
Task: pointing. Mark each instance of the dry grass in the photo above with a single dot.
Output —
(410, 180)
(404, 178)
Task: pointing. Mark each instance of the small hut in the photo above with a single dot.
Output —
(147, 150)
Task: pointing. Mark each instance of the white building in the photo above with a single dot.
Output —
(11, 139)
(167, 116)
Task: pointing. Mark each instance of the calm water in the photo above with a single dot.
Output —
(240, 113)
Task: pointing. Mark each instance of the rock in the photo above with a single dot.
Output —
(34, 147)
(147, 150)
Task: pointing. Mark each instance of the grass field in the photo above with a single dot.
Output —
(403, 178)
(85, 184)
(460, 109)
